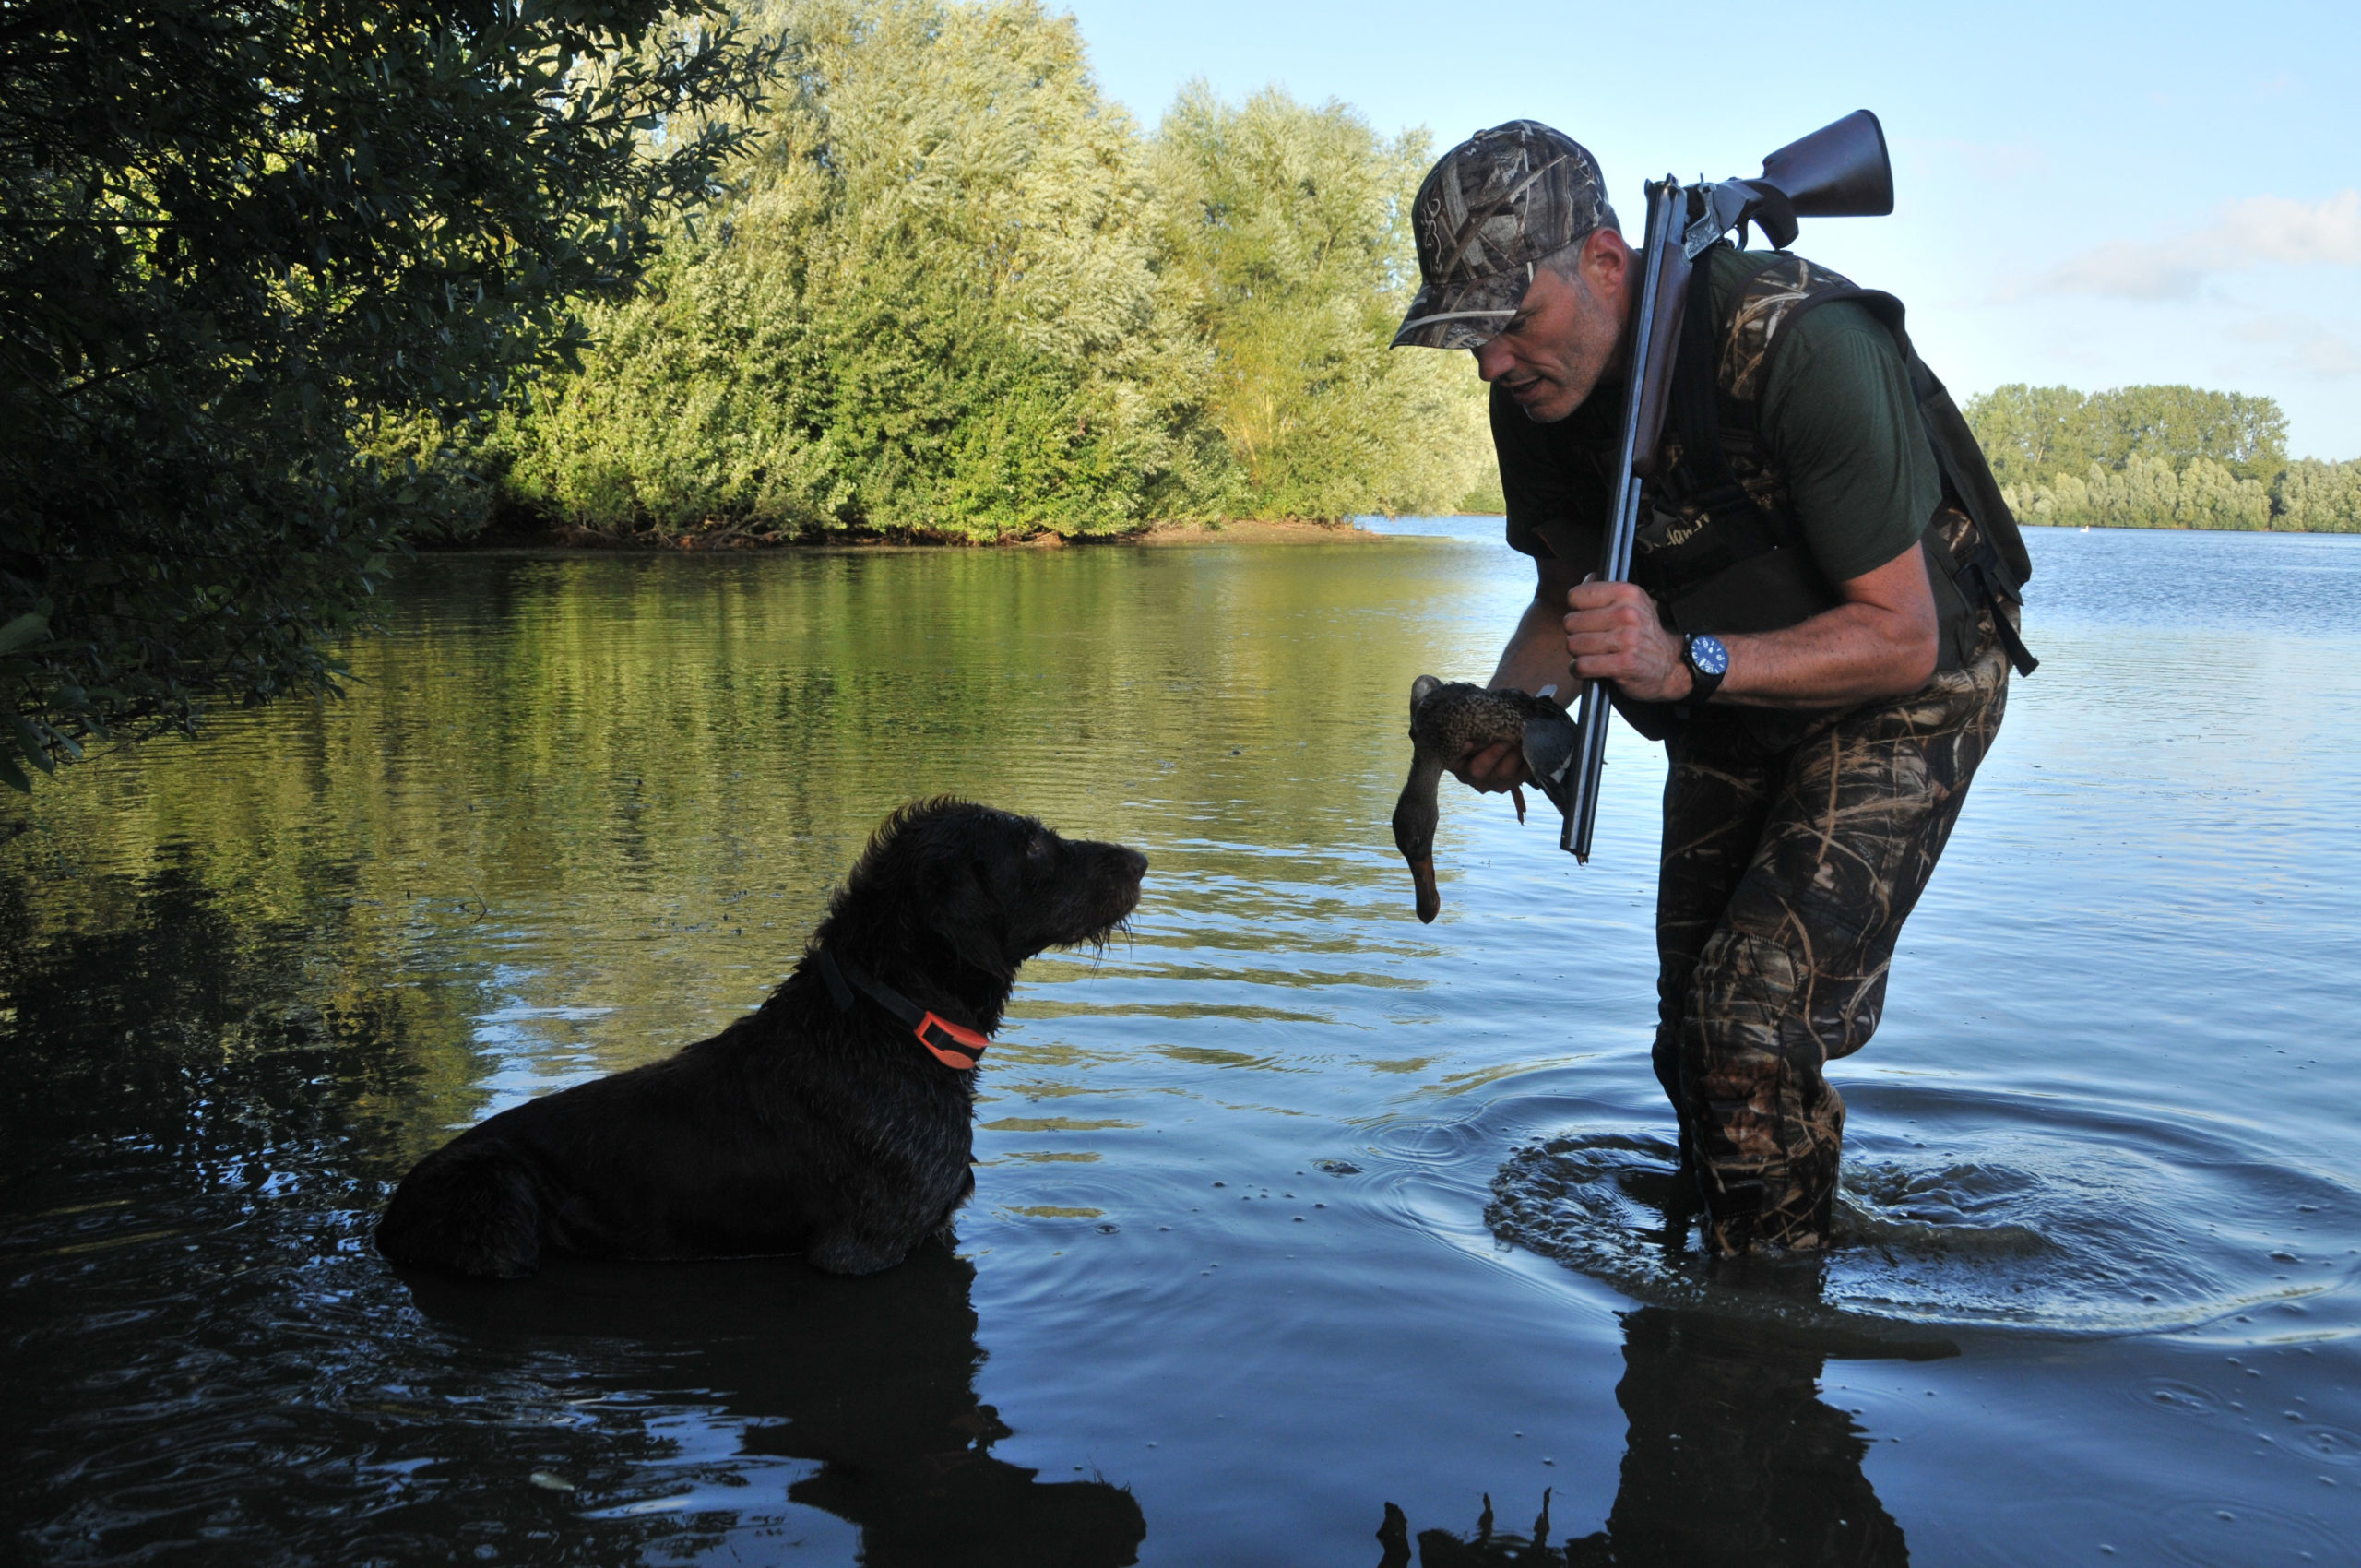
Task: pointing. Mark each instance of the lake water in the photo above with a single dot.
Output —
(1288, 1207)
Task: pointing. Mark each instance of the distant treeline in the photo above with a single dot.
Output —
(2158, 458)
(952, 290)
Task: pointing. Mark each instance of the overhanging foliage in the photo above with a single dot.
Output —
(231, 232)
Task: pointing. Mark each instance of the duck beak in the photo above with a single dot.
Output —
(1422, 873)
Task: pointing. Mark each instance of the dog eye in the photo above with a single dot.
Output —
(1037, 849)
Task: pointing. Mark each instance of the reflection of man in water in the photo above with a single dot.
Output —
(1817, 629)
(1731, 1457)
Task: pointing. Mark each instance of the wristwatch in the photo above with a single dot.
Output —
(1708, 661)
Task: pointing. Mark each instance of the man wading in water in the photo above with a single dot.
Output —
(1822, 745)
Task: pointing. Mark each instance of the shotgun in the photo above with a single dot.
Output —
(1839, 171)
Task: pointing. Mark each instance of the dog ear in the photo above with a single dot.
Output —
(962, 910)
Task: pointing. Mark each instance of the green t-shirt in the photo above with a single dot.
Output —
(1836, 416)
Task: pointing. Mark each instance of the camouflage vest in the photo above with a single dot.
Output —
(1719, 546)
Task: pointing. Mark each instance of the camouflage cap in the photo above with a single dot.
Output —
(1490, 210)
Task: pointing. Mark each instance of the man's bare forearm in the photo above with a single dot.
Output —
(1853, 653)
(1535, 657)
(1880, 642)
(1536, 654)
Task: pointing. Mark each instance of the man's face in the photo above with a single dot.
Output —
(1566, 334)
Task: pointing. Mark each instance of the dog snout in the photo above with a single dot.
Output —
(1116, 870)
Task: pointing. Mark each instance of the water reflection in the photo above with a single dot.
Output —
(577, 812)
(1730, 1456)
(872, 1379)
(205, 1106)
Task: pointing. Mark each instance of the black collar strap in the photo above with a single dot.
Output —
(951, 1045)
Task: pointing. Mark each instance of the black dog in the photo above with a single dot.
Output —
(833, 1121)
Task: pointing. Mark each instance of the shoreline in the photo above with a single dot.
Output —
(569, 541)
(566, 541)
(2183, 528)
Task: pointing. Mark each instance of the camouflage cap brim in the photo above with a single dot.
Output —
(1464, 315)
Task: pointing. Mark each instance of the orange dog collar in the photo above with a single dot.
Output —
(954, 1045)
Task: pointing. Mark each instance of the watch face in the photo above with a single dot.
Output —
(1709, 655)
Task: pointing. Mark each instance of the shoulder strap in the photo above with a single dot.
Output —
(1956, 449)
(1766, 308)
(1702, 410)
(1772, 301)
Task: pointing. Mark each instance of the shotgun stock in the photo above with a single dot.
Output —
(1840, 170)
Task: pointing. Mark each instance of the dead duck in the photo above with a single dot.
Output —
(1446, 719)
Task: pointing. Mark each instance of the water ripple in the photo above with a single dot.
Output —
(2063, 1229)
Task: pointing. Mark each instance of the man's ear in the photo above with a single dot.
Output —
(1605, 265)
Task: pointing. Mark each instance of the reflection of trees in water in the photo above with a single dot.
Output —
(155, 1013)
(1730, 1456)
(624, 786)
(872, 1378)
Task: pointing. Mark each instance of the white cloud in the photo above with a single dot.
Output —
(2322, 234)
(2328, 354)
(2117, 270)
(2256, 231)
(2311, 344)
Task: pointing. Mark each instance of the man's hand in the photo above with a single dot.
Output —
(1492, 769)
(1613, 633)
(1534, 661)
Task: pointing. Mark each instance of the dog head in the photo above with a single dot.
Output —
(994, 886)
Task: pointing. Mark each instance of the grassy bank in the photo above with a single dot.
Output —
(565, 540)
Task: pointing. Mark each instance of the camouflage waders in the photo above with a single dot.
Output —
(1788, 874)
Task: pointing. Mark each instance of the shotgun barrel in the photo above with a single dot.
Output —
(1664, 286)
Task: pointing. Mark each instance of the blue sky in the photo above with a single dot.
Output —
(2094, 195)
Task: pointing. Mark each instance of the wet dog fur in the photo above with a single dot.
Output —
(800, 1128)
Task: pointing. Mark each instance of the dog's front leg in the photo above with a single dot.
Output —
(946, 1229)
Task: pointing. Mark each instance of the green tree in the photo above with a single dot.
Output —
(955, 293)
(1286, 228)
(231, 234)
(2183, 424)
(930, 303)
(2031, 432)
(2146, 492)
(2316, 497)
